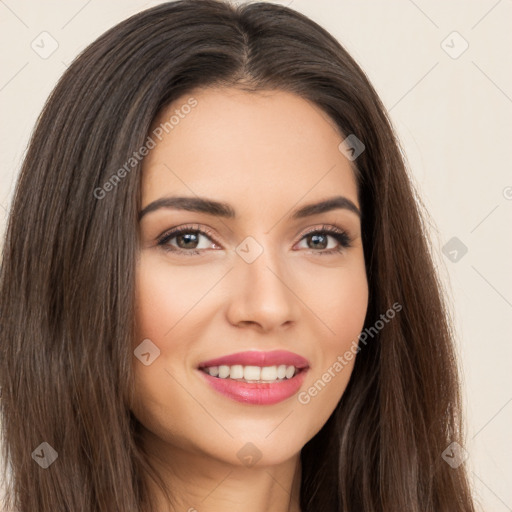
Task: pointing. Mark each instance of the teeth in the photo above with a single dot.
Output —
(223, 371)
(249, 373)
(269, 373)
(252, 373)
(290, 370)
(237, 372)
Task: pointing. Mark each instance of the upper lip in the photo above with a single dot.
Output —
(259, 358)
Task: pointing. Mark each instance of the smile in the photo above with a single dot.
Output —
(258, 378)
(252, 373)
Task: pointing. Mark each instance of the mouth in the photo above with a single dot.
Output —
(260, 378)
(253, 374)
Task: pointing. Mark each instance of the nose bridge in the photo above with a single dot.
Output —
(263, 291)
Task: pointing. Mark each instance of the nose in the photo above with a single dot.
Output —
(262, 294)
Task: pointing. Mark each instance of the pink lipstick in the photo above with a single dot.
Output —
(256, 377)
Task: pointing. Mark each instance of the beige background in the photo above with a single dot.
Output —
(453, 116)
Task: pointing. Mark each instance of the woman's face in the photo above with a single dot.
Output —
(254, 281)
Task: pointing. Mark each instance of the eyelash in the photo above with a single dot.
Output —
(341, 236)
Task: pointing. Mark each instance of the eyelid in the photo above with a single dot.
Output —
(342, 236)
(325, 227)
(203, 230)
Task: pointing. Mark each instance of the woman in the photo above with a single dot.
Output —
(296, 356)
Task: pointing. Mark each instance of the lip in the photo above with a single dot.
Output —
(259, 393)
(259, 358)
(256, 393)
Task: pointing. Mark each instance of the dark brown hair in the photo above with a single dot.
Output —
(67, 275)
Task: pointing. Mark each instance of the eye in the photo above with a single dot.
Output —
(187, 240)
(319, 239)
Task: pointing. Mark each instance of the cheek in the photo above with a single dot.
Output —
(162, 301)
(349, 311)
(339, 299)
(340, 304)
(164, 296)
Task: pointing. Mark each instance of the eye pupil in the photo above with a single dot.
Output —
(316, 237)
(186, 236)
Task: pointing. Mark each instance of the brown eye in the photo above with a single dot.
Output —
(318, 240)
(187, 240)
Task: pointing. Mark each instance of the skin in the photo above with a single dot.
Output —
(266, 154)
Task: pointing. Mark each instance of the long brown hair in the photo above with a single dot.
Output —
(67, 275)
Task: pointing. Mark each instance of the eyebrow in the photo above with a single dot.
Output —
(220, 209)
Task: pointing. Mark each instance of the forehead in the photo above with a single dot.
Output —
(229, 144)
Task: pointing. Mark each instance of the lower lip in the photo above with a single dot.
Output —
(256, 393)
